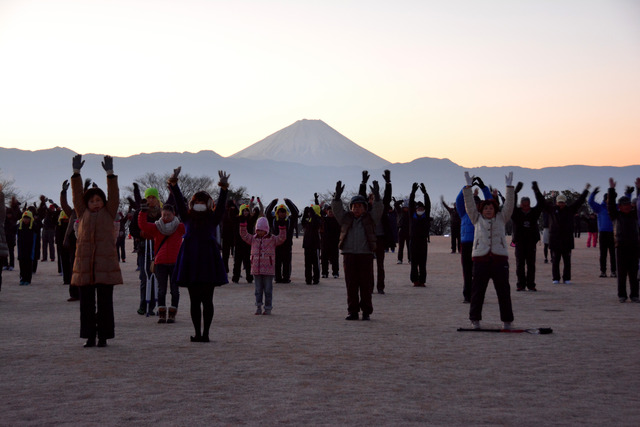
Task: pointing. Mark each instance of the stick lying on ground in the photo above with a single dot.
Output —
(540, 331)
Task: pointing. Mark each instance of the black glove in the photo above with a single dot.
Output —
(107, 165)
(387, 176)
(534, 186)
(77, 163)
(339, 190)
(596, 191)
(144, 207)
(375, 189)
(365, 177)
(414, 188)
(65, 185)
(478, 181)
(423, 188)
(518, 187)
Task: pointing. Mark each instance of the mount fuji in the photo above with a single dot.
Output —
(311, 143)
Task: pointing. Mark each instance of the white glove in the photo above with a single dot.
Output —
(468, 178)
(508, 179)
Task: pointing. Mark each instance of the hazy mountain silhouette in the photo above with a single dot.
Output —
(313, 143)
(43, 171)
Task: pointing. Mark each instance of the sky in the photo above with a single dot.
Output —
(532, 83)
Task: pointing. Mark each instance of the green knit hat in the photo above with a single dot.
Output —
(151, 192)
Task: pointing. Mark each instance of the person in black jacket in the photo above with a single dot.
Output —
(526, 237)
(420, 225)
(330, 253)
(403, 220)
(286, 215)
(26, 247)
(228, 232)
(311, 222)
(561, 241)
(454, 224)
(242, 254)
(625, 227)
(10, 231)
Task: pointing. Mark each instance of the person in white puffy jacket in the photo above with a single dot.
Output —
(490, 251)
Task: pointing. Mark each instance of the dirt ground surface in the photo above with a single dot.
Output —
(306, 365)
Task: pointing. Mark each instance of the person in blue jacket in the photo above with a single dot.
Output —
(199, 265)
(605, 233)
(466, 237)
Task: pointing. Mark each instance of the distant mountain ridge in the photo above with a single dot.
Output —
(312, 143)
(43, 171)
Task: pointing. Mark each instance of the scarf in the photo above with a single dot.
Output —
(167, 228)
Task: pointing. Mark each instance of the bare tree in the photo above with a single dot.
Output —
(441, 221)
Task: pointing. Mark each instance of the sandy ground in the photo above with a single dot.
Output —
(306, 365)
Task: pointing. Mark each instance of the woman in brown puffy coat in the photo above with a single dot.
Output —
(96, 268)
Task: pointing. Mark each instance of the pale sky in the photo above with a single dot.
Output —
(530, 83)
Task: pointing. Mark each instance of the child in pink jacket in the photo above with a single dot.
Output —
(263, 255)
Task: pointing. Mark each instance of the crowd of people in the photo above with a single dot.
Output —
(188, 242)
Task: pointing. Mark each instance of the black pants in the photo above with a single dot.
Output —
(380, 247)
(467, 269)
(607, 245)
(419, 260)
(330, 254)
(627, 266)
(526, 257)
(227, 249)
(455, 241)
(283, 263)
(201, 305)
(565, 255)
(311, 266)
(100, 321)
(403, 238)
(122, 254)
(48, 240)
(358, 276)
(498, 270)
(242, 258)
(12, 259)
(26, 269)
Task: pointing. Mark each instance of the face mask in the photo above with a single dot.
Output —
(199, 207)
(420, 212)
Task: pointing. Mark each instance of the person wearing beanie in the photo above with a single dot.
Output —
(263, 251)
(96, 268)
(49, 217)
(153, 206)
(403, 221)
(454, 225)
(12, 218)
(199, 265)
(167, 235)
(358, 245)
(68, 246)
(490, 251)
(624, 217)
(27, 252)
(286, 214)
(561, 238)
(419, 237)
(330, 254)
(242, 254)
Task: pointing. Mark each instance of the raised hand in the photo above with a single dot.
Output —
(508, 179)
(173, 179)
(468, 178)
(224, 179)
(387, 176)
(77, 163)
(414, 187)
(596, 190)
(375, 189)
(65, 185)
(638, 183)
(534, 186)
(107, 165)
(339, 190)
(423, 188)
(518, 186)
(365, 177)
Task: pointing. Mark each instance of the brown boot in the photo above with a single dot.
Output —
(172, 315)
(162, 314)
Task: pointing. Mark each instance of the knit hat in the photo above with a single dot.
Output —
(624, 200)
(93, 191)
(30, 216)
(169, 208)
(151, 192)
(358, 199)
(282, 206)
(62, 217)
(316, 209)
(561, 198)
(262, 224)
(200, 196)
(243, 207)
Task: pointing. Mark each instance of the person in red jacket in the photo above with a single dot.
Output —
(167, 235)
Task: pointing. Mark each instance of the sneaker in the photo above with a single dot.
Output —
(475, 324)
(416, 284)
(10, 268)
(352, 317)
(507, 326)
(5, 268)
(603, 274)
(141, 311)
(71, 299)
(325, 276)
(466, 301)
(519, 289)
(566, 282)
(266, 313)
(555, 282)
(546, 261)
(622, 299)
(533, 289)
(365, 317)
(335, 276)
(635, 299)
(613, 274)
(399, 262)
(381, 292)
